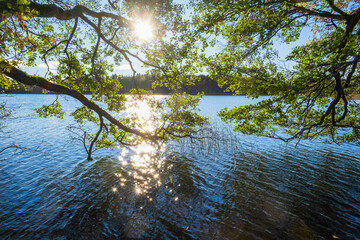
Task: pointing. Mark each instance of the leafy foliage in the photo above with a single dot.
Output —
(310, 97)
(87, 39)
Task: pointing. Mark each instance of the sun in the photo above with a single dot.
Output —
(144, 30)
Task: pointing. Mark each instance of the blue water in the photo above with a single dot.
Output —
(241, 187)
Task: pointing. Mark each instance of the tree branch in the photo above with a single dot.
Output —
(26, 79)
(336, 9)
(320, 13)
(90, 151)
(125, 53)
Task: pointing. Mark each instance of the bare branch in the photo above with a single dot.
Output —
(68, 42)
(90, 151)
(96, 48)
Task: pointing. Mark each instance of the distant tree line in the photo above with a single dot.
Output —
(143, 81)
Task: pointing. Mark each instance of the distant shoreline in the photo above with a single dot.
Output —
(164, 94)
(354, 96)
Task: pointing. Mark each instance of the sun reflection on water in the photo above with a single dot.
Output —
(143, 112)
(144, 164)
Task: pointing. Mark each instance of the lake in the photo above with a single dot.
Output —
(245, 188)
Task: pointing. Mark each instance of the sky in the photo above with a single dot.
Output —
(41, 68)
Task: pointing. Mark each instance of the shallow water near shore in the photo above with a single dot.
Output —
(249, 188)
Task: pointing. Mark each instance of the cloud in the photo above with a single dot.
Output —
(52, 65)
(123, 67)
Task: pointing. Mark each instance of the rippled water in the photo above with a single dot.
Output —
(251, 188)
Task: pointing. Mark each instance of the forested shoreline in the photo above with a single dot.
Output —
(204, 85)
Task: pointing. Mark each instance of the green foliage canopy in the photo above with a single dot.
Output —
(310, 96)
(88, 38)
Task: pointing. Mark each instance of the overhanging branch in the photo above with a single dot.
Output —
(54, 11)
(26, 79)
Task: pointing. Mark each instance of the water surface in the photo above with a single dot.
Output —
(246, 188)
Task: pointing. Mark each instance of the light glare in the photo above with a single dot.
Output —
(144, 30)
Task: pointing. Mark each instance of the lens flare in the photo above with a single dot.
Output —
(144, 30)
